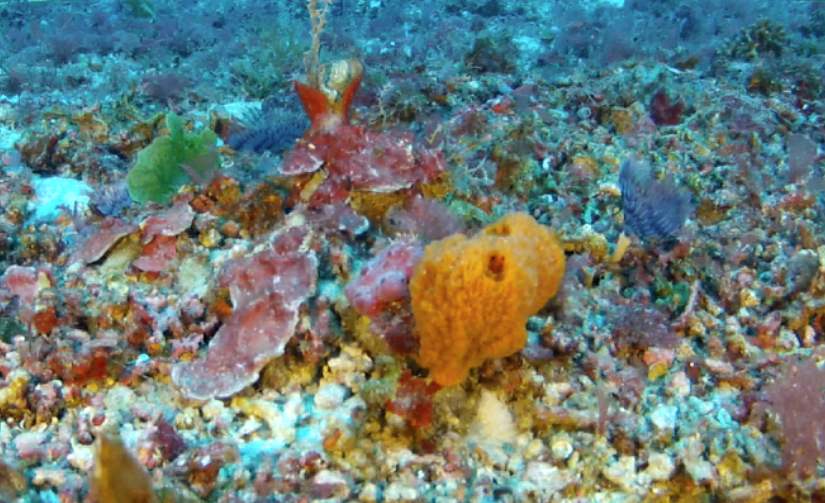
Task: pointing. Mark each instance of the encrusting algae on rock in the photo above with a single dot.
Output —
(472, 297)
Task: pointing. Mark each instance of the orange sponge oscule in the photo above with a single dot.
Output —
(471, 297)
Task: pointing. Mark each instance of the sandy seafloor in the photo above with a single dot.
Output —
(205, 348)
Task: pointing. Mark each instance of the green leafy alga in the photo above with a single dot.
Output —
(164, 166)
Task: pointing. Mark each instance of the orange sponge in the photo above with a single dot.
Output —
(471, 297)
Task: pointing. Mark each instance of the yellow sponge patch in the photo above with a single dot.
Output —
(471, 297)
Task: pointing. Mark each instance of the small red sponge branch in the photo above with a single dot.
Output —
(348, 97)
(332, 99)
(314, 101)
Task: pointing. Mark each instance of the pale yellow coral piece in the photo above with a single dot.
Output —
(118, 477)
